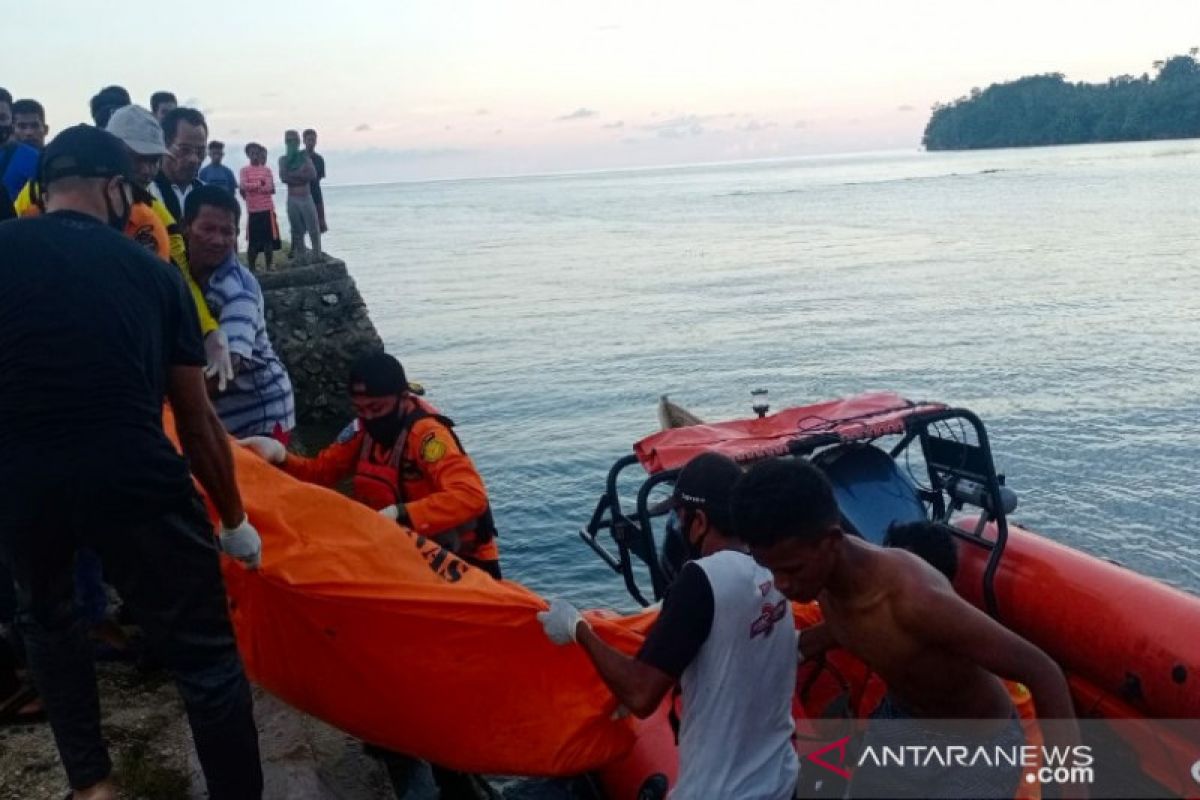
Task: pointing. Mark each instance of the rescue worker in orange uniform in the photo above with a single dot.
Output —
(406, 463)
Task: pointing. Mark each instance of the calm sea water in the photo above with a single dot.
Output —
(1056, 292)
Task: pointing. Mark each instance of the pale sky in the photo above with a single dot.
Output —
(420, 89)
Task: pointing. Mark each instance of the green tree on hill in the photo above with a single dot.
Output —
(1047, 109)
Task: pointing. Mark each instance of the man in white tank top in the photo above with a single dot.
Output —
(726, 637)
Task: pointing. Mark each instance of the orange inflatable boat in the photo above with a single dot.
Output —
(1128, 644)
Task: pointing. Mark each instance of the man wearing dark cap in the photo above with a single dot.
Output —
(726, 637)
(94, 333)
(406, 463)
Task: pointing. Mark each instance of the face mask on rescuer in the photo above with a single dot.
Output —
(679, 522)
(117, 220)
(386, 429)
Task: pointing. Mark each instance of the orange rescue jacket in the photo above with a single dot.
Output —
(427, 471)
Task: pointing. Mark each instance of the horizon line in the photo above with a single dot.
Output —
(618, 170)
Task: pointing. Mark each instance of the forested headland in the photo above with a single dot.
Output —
(1047, 109)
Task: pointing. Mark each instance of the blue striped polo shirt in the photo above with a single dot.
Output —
(260, 396)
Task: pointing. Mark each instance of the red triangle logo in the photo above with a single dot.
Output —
(837, 769)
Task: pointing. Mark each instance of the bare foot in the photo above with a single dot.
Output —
(104, 790)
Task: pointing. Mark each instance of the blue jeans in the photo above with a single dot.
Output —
(167, 570)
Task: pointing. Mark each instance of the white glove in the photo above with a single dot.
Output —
(560, 621)
(242, 542)
(399, 514)
(220, 359)
(271, 450)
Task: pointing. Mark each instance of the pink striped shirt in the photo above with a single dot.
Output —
(257, 185)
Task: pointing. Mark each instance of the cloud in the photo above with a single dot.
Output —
(482, 112)
(906, 108)
(579, 113)
(609, 27)
(498, 131)
(800, 124)
(754, 126)
(681, 121)
(681, 126)
(612, 126)
(372, 165)
(381, 155)
(362, 127)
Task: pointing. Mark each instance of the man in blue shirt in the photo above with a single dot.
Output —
(29, 123)
(18, 162)
(259, 400)
(216, 173)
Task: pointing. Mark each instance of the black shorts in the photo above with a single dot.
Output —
(264, 230)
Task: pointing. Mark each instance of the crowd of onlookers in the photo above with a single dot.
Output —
(121, 287)
(171, 175)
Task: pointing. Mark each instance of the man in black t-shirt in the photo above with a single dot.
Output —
(310, 147)
(94, 333)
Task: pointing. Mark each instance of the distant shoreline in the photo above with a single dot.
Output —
(983, 148)
(1047, 110)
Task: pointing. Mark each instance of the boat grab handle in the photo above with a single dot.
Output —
(608, 558)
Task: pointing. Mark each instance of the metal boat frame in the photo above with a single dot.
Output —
(951, 461)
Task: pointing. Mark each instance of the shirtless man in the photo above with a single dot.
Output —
(297, 172)
(938, 655)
